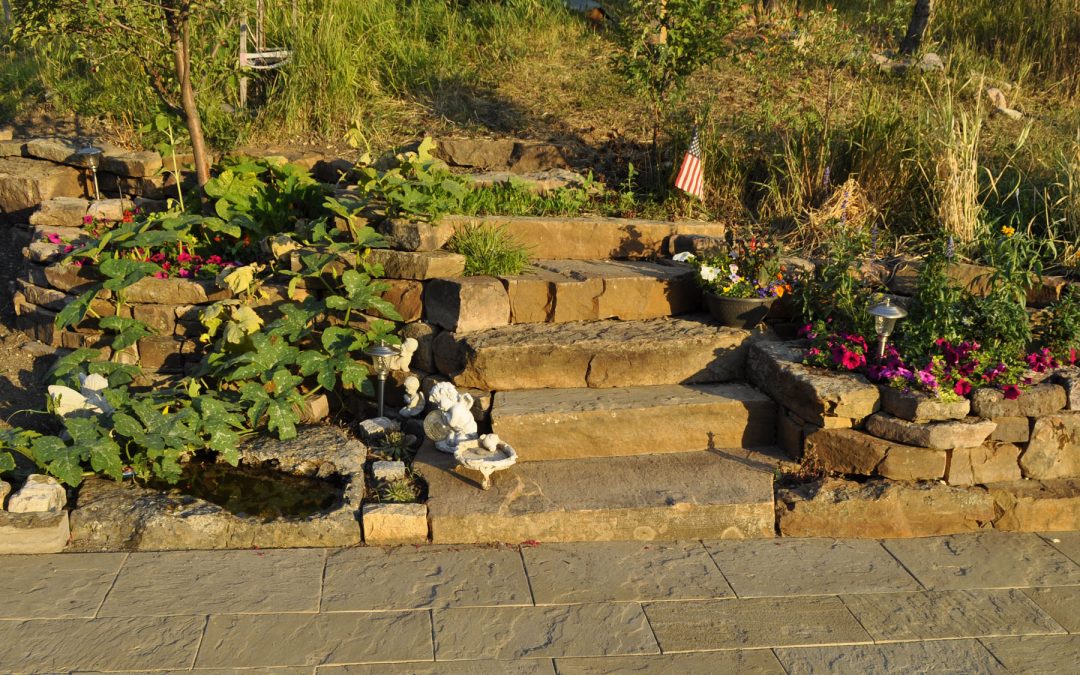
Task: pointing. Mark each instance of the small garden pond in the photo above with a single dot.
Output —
(257, 491)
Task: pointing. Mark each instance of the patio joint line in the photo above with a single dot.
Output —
(528, 578)
(198, 647)
(119, 569)
(776, 656)
(902, 565)
(1048, 540)
(431, 621)
(720, 570)
(652, 630)
(322, 583)
(986, 648)
(873, 640)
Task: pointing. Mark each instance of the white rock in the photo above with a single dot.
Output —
(388, 470)
(379, 426)
(41, 493)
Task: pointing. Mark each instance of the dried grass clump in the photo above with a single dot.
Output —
(848, 205)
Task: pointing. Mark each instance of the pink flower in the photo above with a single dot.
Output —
(184, 273)
(214, 260)
(183, 257)
(158, 258)
(54, 238)
(78, 263)
(88, 220)
(852, 360)
(962, 388)
(1011, 391)
(166, 266)
(69, 248)
(161, 275)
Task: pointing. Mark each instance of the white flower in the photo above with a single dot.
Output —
(685, 256)
(709, 273)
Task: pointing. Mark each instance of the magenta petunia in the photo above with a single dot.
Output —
(1011, 391)
(962, 388)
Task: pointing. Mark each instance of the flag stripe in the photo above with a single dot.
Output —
(690, 178)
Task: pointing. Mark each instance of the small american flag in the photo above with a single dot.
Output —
(689, 179)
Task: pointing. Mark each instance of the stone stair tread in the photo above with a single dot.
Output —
(605, 353)
(604, 268)
(554, 424)
(710, 494)
(579, 237)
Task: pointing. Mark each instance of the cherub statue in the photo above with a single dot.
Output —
(414, 399)
(404, 358)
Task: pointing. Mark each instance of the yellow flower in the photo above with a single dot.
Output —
(1008, 231)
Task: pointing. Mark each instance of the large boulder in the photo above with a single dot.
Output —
(1054, 448)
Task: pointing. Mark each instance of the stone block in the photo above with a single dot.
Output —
(405, 235)
(627, 290)
(43, 252)
(854, 452)
(531, 156)
(388, 470)
(110, 209)
(881, 510)
(1011, 429)
(467, 304)
(32, 533)
(532, 295)
(904, 462)
(37, 322)
(165, 352)
(789, 434)
(395, 524)
(424, 333)
(407, 297)
(478, 153)
(966, 433)
(814, 394)
(49, 298)
(61, 212)
(1037, 505)
(916, 407)
(988, 463)
(26, 183)
(5, 490)
(136, 164)
(160, 318)
(71, 279)
(594, 354)
(1054, 448)
(571, 423)
(417, 265)
(1069, 379)
(174, 292)
(39, 493)
(1042, 399)
(59, 150)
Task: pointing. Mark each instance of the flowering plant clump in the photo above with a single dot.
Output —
(950, 372)
(747, 268)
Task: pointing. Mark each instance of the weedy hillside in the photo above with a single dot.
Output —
(808, 117)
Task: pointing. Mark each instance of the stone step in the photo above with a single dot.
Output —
(582, 238)
(555, 424)
(560, 291)
(608, 353)
(713, 494)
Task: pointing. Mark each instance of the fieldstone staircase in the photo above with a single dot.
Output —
(625, 403)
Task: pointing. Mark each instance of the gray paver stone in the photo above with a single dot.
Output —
(985, 560)
(949, 614)
(753, 623)
(203, 582)
(1036, 653)
(568, 573)
(260, 640)
(408, 578)
(602, 629)
(56, 586)
(955, 657)
(787, 567)
(1061, 602)
(757, 661)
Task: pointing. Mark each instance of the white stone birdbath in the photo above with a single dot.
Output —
(489, 456)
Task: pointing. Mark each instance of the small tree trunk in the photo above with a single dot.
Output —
(920, 17)
(182, 58)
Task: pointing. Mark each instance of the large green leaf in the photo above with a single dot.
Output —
(76, 309)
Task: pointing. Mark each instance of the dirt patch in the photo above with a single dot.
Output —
(22, 386)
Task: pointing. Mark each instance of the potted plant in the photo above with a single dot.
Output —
(741, 280)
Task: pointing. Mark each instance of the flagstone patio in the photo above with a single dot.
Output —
(984, 602)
